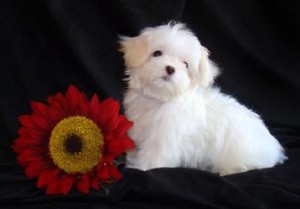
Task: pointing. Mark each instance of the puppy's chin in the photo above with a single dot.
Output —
(165, 88)
(157, 94)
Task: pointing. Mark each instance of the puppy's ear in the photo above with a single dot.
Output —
(134, 49)
(208, 70)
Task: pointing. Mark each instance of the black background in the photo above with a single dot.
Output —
(47, 45)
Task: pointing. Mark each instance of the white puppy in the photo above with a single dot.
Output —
(179, 118)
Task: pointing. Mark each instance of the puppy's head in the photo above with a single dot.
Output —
(167, 61)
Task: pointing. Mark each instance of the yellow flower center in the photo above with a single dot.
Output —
(75, 144)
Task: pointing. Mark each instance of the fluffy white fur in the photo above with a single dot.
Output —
(180, 119)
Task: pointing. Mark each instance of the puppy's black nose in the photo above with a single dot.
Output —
(170, 70)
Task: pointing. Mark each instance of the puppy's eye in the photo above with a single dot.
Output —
(157, 53)
(186, 64)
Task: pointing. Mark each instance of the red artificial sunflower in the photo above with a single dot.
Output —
(72, 141)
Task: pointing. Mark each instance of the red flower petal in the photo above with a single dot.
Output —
(31, 141)
(53, 186)
(55, 116)
(85, 99)
(41, 123)
(103, 173)
(123, 126)
(67, 182)
(44, 179)
(95, 183)
(84, 110)
(59, 102)
(29, 155)
(83, 185)
(93, 108)
(74, 100)
(108, 173)
(114, 172)
(24, 143)
(27, 121)
(117, 146)
(31, 134)
(37, 138)
(107, 118)
(39, 109)
(35, 168)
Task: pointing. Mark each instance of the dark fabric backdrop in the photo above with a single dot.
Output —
(47, 45)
